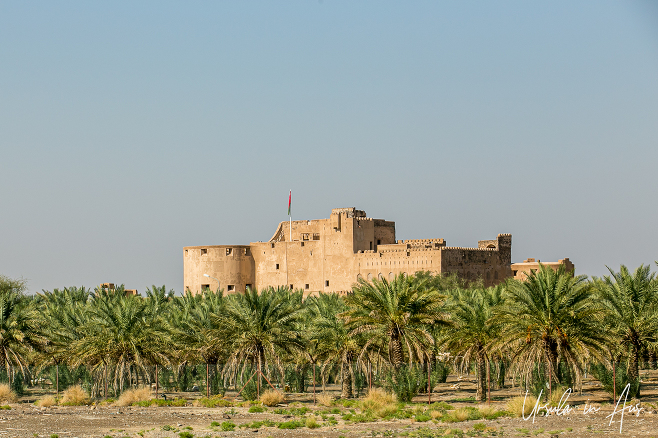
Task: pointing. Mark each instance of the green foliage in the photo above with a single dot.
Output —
(257, 409)
(292, 424)
(186, 435)
(215, 401)
(406, 382)
(605, 376)
(227, 426)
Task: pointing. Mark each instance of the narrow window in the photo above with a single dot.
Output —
(204, 251)
(291, 288)
(205, 287)
(306, 286)
(231, 287)
(229, 251)
(277, 266)
(272, 245)
(185, 252)
(246, 251)
(316, 236)
(302, 243)
(247, 286)
(379, 242)
(370, 246)
(326, 283)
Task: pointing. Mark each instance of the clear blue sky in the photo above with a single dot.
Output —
(129, 130)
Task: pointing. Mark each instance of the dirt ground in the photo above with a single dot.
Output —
(26, 420)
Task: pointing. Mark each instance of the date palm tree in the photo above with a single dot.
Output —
(122, 334)
(61, 316)
(259, 327)
(471, 330)
(548, 318)
(18, 334)
(333, 340)
(631, 313)
(396, 315)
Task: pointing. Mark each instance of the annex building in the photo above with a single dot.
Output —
(330, 255)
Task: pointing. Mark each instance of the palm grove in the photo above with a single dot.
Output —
(544, 332)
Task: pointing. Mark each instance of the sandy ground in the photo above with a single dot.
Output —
(26, 420)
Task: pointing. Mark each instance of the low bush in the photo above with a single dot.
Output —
(257, 409)
(272, 398)
(214, 401)
(228, 426)
(75, 396)
(6, 394)
(293, 424)
(378, 398)
(46, 401)
(162, 402)
(324, 399)
(133, 396)
(516, 405)
(312, 423)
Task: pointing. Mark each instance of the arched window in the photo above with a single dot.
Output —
(391, 276)
(369, 277)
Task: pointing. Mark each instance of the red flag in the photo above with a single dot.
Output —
(289, 201)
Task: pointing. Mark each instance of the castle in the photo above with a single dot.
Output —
(330, 255)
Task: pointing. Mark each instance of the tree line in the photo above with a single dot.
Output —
(546, 331)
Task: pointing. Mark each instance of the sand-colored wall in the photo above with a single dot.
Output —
(521, 270)
(330, 255)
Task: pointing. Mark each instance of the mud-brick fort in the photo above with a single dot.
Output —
(330, 255)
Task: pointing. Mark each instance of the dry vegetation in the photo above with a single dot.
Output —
(131, 396)
(6, 394)
(272, 398)
(75, 396)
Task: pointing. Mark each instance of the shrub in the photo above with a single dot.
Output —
(6, 394)
(272, 398)
(75, 396)
(378, 398)
(133, 396)
(186, 435)
(228, 426)
(161, 402)
(324, 399)
(406, 382)
(46, 401)
(604, 375)
(516, 405)
(457, 416)
(293, 424)
(311, 423)
(257, 408)
(214, 401)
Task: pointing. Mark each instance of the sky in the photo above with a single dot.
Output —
(129, 130)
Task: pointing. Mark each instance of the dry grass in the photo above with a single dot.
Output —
(435, 414)
(556, 395)
(325, 399)
(377, 399)
(272, 398)
(6, 394)
(487, 411)
(515, 405)
(131, 396)
(75, 396)
(46, 401)
(460, 414)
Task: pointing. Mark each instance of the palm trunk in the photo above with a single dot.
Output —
(397, 354)
(481, 394)
(346, 377)
(634, 372)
